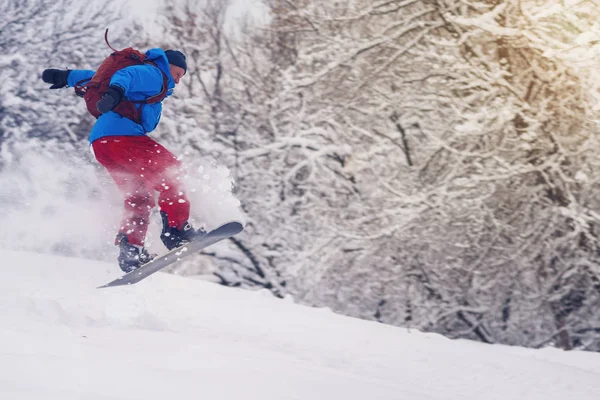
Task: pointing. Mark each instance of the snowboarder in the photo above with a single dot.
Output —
(127, 111)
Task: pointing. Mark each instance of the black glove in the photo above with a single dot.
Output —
(58, 77)
(111, 98)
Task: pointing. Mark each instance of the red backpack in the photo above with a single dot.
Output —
(93, 89)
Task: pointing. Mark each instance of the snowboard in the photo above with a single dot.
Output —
(216, 235)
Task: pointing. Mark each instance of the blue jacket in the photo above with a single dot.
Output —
(138, 82)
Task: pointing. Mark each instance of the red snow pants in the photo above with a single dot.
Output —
(140, 166)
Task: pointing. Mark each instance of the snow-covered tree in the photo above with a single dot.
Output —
(472, 161)
(43, 133)
(39, 34)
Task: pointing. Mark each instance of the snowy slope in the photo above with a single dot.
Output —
(178, 338)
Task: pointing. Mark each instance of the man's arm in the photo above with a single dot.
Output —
(137, 82)
(143, 80)
(59, 78)
(78, 75)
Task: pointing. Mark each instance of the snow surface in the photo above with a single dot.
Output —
(174, 337)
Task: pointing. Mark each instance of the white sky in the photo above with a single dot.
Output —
(172, 337)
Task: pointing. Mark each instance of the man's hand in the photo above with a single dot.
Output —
(58, 77)
(111, 98)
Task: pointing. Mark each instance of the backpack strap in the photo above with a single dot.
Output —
(80, 87)
(165, 86)
(152, 99)
(163, 92)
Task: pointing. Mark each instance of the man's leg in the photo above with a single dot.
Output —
(124, 159)
(165, 175)
(167, 178)
(136, 216)
(173, 202)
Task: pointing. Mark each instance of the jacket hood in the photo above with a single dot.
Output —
(159, 57)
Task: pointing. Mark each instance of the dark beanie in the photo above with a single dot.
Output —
(176, 58)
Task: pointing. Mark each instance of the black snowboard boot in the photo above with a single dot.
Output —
(173, 237)
(131, 257)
